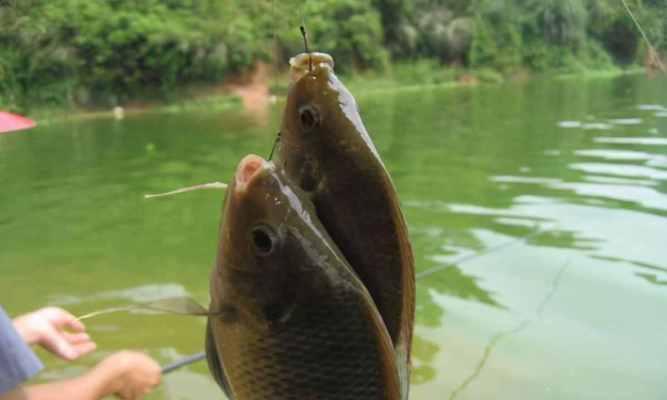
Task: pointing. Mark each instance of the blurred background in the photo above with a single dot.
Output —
(527, 141)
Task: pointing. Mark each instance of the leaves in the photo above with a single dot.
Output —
(54, 51)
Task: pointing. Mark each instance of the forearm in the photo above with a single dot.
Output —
(93, 385)
(81, 388)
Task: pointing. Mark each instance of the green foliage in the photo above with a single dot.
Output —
(105, 51)
(423, 72)
(348, 29)
(489, 75)
(110, 47)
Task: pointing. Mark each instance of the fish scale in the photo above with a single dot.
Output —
(298, 361)
(329, 351)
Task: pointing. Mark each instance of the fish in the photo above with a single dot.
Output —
(326, 150)
(289, 318)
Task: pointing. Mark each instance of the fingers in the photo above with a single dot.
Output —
(81, 343)
(64, 319)
(58, 345)
(85, 348)
(76, 338)
(71, 346)
(140, 374)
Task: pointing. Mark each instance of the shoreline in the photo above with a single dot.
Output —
(256, 94)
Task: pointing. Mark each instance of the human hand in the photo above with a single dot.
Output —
(48, 328)
(131, 375)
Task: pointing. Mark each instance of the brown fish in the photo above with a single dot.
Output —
(325, 148)
(289, 317)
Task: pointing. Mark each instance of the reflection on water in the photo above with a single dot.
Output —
(537, 215)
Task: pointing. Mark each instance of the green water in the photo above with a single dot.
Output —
(543, 204)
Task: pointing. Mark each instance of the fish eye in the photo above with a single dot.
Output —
(263, 239)
(309, 117)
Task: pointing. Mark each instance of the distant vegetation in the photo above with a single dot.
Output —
(108, 51)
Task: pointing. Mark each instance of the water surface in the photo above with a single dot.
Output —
(536, 211)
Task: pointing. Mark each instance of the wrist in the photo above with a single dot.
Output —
(22, 326)
(103, 379)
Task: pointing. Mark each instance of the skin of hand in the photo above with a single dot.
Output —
(129, 375)
(57, 331)
(132, 374)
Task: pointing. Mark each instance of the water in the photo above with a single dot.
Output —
(542, 207)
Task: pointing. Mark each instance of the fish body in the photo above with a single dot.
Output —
(325, 148)
(289, 319)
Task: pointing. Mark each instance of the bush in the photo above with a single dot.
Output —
(58, 51)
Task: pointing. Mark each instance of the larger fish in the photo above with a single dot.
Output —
(325, 148)
(289, 318)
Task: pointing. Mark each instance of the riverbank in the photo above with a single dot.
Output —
(262, 87)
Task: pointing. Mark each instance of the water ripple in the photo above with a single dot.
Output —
(648, 141)
(624, 170)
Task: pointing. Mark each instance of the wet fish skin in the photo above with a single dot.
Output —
(325, 148)
(291, 319)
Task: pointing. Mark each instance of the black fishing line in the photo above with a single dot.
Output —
(538, 312)
(273, 51)
(275, 144)
(305, 46)
(302, 28)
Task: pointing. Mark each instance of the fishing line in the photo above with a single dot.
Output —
(273, 23)
(182, 305)
(167, 368)
(105, 311)
(302, 28)
(652, 51)
(167, 305)
(632, 15)
(211, 185)
(469, 257)
(118, 309)
(275, 144)
(488, 350)
(305, 45)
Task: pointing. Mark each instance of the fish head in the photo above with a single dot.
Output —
(256, 276)
(321, 121)
(247, 281)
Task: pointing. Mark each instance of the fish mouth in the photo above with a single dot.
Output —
(304, 63)
(249, 168)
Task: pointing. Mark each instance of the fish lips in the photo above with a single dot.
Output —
(305, 63)
(249, 170)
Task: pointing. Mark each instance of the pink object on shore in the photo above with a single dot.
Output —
(11, 122)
